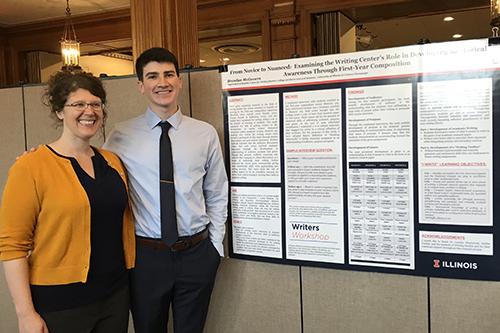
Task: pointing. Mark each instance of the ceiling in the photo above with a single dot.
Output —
(391, 25)
(14, 12)
(471, 24)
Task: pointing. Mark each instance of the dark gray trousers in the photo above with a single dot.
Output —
(182, 278)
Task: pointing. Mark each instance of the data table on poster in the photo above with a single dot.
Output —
(380, 223)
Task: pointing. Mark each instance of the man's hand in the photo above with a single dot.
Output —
(33, 149)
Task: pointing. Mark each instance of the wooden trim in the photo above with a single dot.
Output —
(229, 36)
(166, 23)
(446, 11)
(324, 6)
(202, 4)
(146, 16)
(284, 39)
(266, 37)
(45, 36)
(232, 13)
(12, 66)
(187, 33)
(304, 42)
(218, 14)
(33, 70)
(107, 17)
(3, 67)
(284, 20)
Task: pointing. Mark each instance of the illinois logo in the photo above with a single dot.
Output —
(455, 264)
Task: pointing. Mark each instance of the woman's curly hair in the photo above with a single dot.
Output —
(69, 79)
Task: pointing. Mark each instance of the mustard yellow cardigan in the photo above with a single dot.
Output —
(45, 216)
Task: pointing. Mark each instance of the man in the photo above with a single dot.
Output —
(181, 274)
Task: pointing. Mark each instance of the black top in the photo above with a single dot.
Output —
(107, 272)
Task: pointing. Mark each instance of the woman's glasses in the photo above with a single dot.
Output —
(82, 106)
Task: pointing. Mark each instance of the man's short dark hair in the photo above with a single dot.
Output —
(157, 54)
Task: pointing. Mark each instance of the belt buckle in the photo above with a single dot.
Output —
(181, 244)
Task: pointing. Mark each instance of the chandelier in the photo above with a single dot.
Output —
(70, 46)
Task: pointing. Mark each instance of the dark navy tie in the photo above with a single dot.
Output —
(168, 215)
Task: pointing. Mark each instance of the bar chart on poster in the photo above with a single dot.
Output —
(380, 160)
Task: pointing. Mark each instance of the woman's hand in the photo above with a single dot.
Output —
(17, 276)
(32, 323)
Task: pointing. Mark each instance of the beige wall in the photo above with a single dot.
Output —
(260, 297)
(97, 64)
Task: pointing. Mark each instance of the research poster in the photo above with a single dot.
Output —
(379, 161)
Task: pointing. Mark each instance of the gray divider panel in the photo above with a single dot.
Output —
(41, 128)
(464, 306)
(12, 139)
(255, 297)
(11, 131)
(362, 302)
(184, 98)
(206, 99)
(124, 100)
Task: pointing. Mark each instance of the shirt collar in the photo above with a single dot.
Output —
(152, 119)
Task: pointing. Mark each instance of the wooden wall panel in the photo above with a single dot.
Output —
(322, 6)
(92, 28)
(186, 24)
(175, 27)
(361, 302)
(3, 68)
(147, 17)
(463, 306)
(255, 297)
(283, 49)
(232, 13)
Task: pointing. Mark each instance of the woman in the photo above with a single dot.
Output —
(67, 233)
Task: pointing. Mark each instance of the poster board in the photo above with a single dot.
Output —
(378, 161)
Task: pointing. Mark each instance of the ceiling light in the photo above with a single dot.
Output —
(201, 60)
(236, 48)
(448, 18)
(457, 36)
(70, 46)
(363, 36)
(364, 39)
(225, 59)
(495, 13)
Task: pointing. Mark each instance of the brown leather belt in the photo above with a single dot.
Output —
(183, 242)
